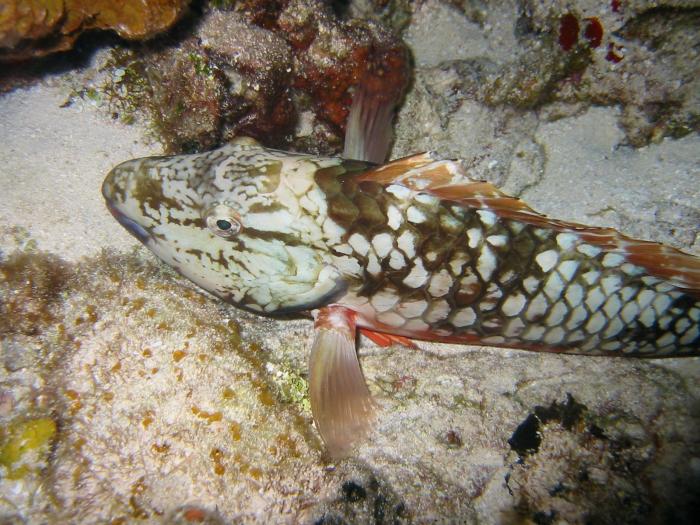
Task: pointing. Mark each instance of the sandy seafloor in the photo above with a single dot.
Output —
(159, 408)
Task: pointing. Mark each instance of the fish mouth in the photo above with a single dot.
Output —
(131, 226)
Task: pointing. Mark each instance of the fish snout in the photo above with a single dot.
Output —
(116, 192)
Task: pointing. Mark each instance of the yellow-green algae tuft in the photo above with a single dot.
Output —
(291, 386)
(21, 438)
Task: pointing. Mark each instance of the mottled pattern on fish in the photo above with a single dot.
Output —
(414, 248)
(436, 269)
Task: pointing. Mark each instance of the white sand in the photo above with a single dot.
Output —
(52, 163)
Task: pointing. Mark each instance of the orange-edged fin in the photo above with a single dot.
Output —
(385, 340)
(680, 269)
(390, 172)
(473, 339)
(448, 180)
(369, 127)
(414, 172)
(341, 403)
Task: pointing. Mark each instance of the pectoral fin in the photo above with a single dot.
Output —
(341, 403)
(368, 134)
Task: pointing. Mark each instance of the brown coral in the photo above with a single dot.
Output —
(30, 287)
(31, 28)
(325, 58)
(257, 64)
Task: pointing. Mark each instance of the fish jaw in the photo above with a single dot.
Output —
(114, 191)
(133, 227)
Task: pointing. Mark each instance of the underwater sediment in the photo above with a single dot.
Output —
(126, 394)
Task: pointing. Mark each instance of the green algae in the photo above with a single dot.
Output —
(222, 4)
(126, 89)
(292, 387)
(178, 91)
(203, 65)
(22, 437)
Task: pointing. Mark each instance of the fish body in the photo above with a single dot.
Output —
(413, 249)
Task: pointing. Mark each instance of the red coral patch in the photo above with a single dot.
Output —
(568, 31)
(593, 32)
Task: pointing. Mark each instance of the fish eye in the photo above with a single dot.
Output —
(223, 221)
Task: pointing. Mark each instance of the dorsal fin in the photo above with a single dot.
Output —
(406, 170)
(448, 180)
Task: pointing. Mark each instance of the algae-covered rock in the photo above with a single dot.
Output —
(186, 100)
(37, 27)
(577, 466)
(30, 287)
(258, 67)
(285, 78)
(563, 58)
(333, 56)
(155, 387)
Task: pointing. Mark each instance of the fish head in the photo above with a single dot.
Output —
(234, 222)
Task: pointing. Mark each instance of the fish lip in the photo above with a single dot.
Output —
(131, 226)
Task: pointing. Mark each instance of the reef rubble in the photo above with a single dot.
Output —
(127, 394)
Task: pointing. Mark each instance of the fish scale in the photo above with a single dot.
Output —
(530, 290)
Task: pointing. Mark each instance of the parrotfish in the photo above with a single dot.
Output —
(412, 249)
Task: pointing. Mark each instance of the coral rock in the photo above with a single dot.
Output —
(258, 66)
(187, 91)
(259, 70)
